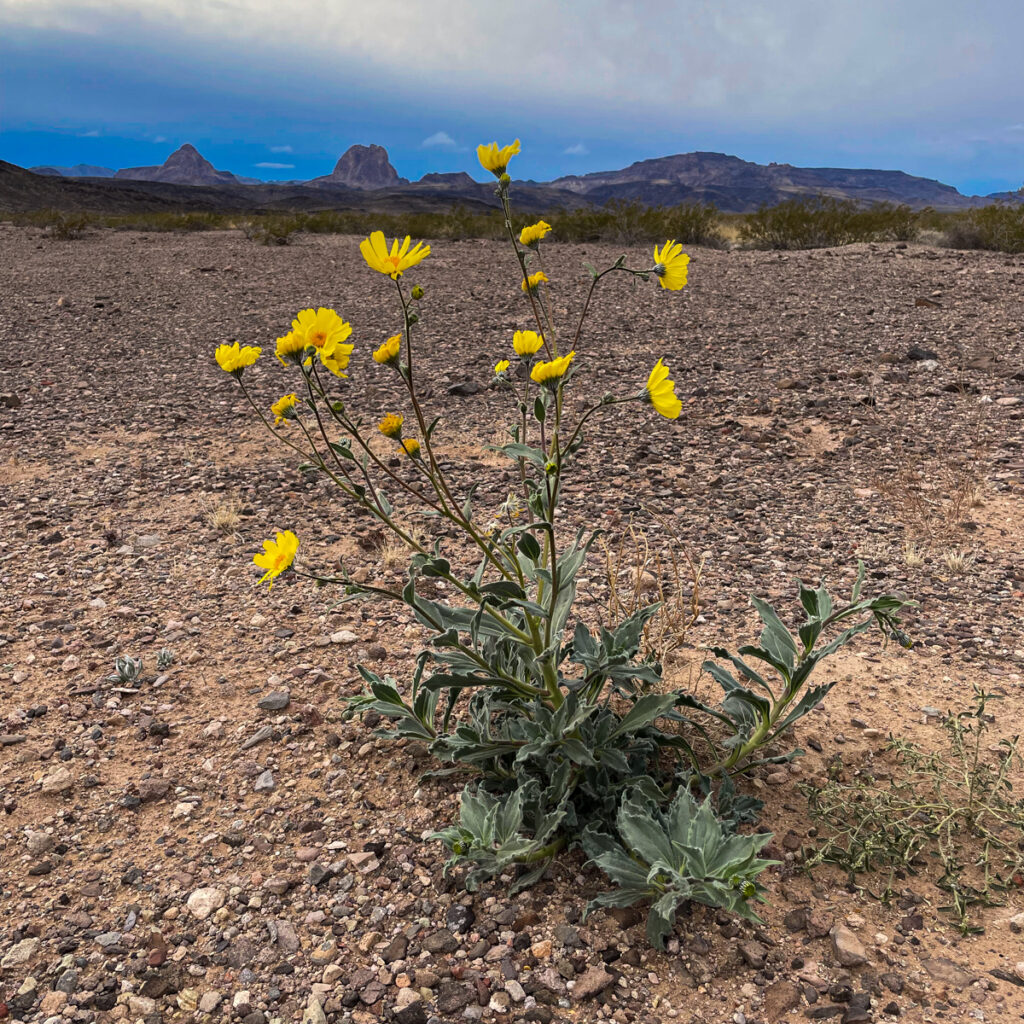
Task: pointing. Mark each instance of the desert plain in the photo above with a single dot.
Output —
(217, 842)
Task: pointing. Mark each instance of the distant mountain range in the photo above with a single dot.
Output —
(364, 178)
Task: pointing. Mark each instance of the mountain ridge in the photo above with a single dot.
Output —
(364, 177)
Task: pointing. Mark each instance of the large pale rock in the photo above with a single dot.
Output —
(203, 902)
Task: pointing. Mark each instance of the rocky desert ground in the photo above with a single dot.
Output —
(215, 842)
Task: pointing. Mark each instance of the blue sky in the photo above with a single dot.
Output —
(278, 91)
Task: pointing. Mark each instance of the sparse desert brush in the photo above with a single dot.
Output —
(949, 804)
(999, 227)
(810, 222)
(567, 732)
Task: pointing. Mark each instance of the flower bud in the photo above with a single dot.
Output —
(414, 318)
(417, 292)
(505, 179)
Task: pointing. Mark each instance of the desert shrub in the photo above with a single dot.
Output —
(63, 224)
(810, 222)
(276, 229)
(177, 220)
(952, 805)
(999, 227)
(568, 731)
(628, 223)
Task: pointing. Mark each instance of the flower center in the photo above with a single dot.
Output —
(318, 338)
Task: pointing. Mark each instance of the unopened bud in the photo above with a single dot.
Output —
(417, 292)
(413, 318)
(505, 179)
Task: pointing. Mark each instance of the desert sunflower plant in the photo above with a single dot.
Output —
(567, 734)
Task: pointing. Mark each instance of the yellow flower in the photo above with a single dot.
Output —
(388, 352)
(284, 409)
(661, 392)
(550, 373)
(500, 368)
(530, 284)
(277, 555)
(533, 233)
(391, 425)
(670, 265)
(394, 261)
(494, 159)
(320, 326)
(412, 447)
(334, 355)
(526, 343)
(291, 348)
(232, 359)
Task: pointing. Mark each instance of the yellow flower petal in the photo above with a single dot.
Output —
(551, 372)
(661, 392)
(278, 555)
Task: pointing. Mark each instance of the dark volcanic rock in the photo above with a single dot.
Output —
(185, 166)
(363, 167)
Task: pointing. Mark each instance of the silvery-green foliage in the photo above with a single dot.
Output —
(761, 711)
(126, 671)
(667, 858)
(555, 754)
(165, 658)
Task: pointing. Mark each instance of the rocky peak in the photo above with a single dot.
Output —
(365, 167)
(185, 166)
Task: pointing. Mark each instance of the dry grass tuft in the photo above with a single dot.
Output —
(637, 575)
(959, 560)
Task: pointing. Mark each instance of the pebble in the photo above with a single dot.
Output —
(203, 902)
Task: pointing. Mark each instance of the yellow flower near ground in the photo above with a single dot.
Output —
(284, 409)
(551, 372)
(494, 159)
(321, 326)
(526, 343)
(530, 284)
(394, 261)
(388, 352)
(278, 555)
(232, 359)
(391, 425)
(291, 348)
(501, 367)
(533, 233)
(670, 265)
(661, 392)
(335, 354)
(412, 447)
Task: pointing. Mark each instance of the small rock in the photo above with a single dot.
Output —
(264, 782)
(943, 969)
(20, 953)
(277, 700)
(596, 980)
(203, 902)
(209, 1001)
(58, 781)
(849, 950)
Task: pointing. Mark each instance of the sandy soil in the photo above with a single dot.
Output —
(808, 439)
